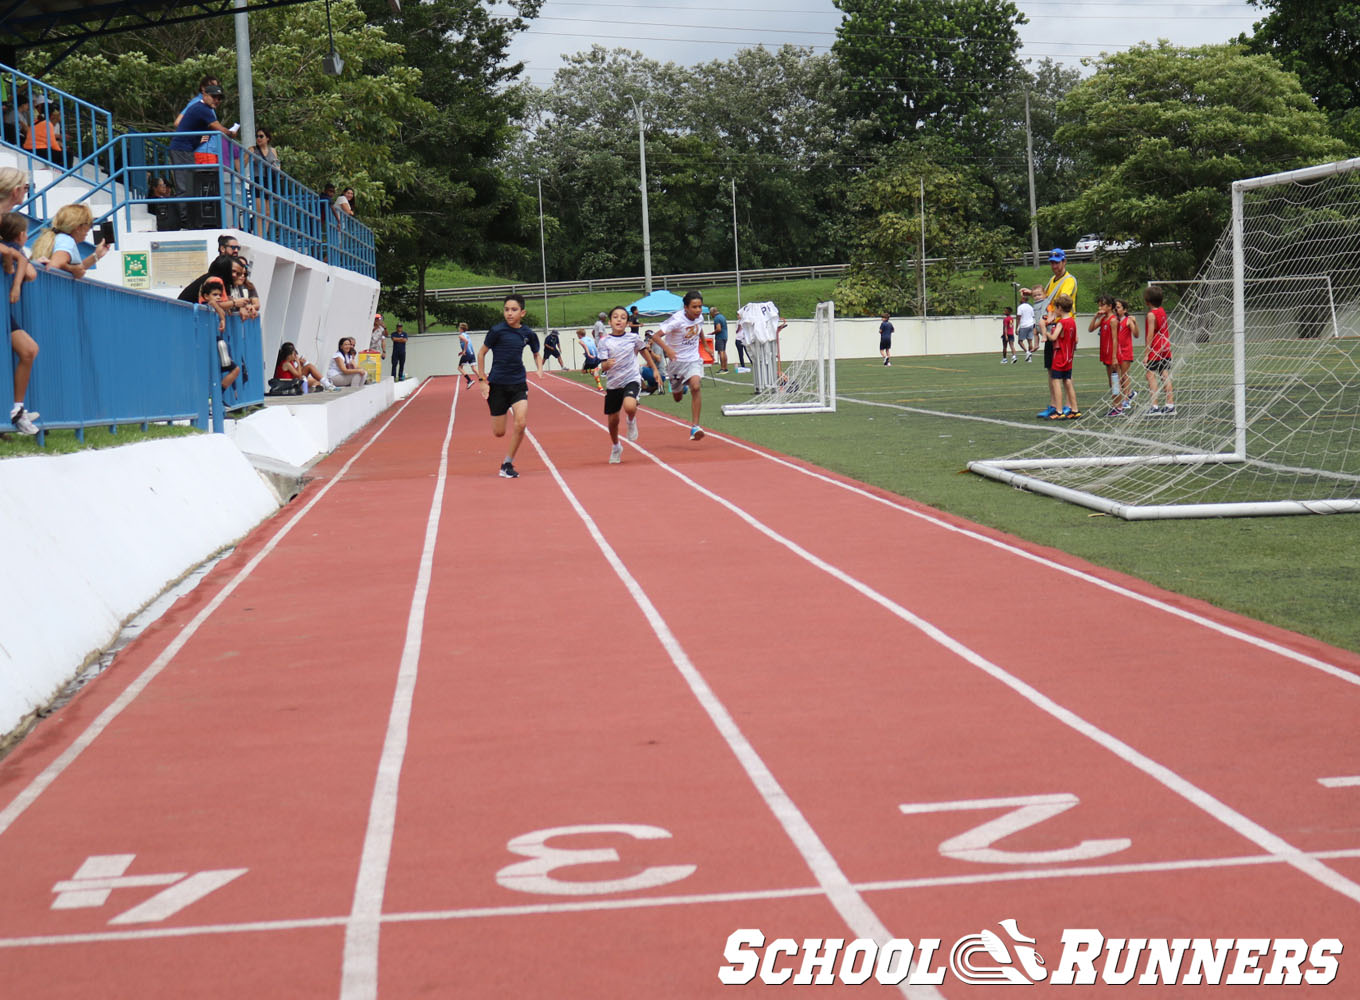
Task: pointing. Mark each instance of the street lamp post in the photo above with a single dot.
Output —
(646, 224)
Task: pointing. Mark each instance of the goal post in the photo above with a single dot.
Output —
(791, 373)
(1265, 371)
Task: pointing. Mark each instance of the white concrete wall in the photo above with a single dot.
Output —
(90, 538)
(437, 353)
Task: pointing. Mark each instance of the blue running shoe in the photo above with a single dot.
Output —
(1047, 414)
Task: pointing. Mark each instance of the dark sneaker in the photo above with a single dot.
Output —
(508, 471)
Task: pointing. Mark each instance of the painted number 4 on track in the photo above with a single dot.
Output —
(101, 874)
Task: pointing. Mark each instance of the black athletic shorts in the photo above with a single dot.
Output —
(1158, 364)
(504, 396)
(613, 398)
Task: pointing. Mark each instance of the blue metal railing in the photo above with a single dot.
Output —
(243, 191)
(84, 128)
(110, 356)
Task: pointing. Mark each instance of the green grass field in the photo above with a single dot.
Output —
(63, 442)
(913, 428)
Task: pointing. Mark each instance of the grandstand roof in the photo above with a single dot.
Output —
(68, 23)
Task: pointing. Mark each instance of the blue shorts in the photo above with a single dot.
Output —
(1065, 375)
(467, 359)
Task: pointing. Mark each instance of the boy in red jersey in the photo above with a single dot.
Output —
(1126, 329)
(1104, 318)
(1062, 331)
(1158, 361)
(1008, 337)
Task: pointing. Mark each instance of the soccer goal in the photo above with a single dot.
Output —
(1265, 371)
(793, 372)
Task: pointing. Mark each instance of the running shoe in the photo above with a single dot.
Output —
(632, 430)
(696, 433)
(1047, 414)
(23, 421)
(1169, 410)
(616, 454)
(1154, 411)
(1118, 411)
(508, 471)
(1070, 414)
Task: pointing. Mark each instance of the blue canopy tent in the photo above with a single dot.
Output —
(659, 303)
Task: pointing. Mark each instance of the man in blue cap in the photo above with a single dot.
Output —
(1062, 283)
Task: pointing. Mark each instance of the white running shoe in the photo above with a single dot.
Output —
(23, 421)
(696, 433)
(632, 430)
(616, 454)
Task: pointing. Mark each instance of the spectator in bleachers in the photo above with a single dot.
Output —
(199, 116)
(343, 206)
(344, 369)
(18, 119)
(242, 290)
(220, 269)
(264, 165)
(13, 188)
(44, 138)
(207, 81)
(58, 245)
(214, 295)
(165, 210)
(13, 231)
(291, 365)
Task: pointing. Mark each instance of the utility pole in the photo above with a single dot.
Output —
(736, 251)
(646, 224)
(543, 254)
(923, 247)
(1033, 210)
(245, 100)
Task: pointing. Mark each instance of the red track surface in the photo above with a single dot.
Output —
(831, 653)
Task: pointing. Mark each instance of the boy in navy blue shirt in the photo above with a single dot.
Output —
(506, 389)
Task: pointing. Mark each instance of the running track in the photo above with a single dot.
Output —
(743, 693)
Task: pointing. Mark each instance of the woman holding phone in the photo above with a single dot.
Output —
(58, 245)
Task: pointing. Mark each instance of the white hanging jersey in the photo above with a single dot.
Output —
(760, 322)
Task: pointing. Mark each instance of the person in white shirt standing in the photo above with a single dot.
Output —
(681, 333)
(1024, 323)
(619, 351)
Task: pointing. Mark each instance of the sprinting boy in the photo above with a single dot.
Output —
(1158, 361)
(1008, 336)
(506, 389)
(465, 356)
(681, 334)
(619, 352)
(1062, 333)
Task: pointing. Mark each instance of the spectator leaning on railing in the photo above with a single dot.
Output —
(199, 116)
(57, 245)
(13, 229)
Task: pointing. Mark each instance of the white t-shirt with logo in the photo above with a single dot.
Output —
(682, 334)
(623, 350)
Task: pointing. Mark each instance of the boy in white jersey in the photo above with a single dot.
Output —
(681, 333)
(619, 351)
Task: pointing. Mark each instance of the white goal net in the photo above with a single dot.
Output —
(1265, 371)
(792, 372)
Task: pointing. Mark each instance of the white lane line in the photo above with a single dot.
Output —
(1347, 782)
(1340, 673)
(359, 979)
(40, 783)
(651, 902)
(1237, 822)
(842, 895)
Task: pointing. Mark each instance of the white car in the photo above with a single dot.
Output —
(1094, 241)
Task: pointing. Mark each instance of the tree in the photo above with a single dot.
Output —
(1167, 130)
(464, 204)
(1319, 41)
(885, 265)
(927, 65)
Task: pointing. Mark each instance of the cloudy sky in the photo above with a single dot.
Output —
(703, 30)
